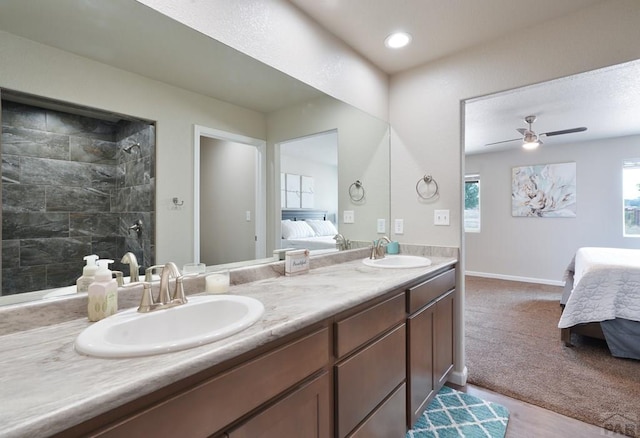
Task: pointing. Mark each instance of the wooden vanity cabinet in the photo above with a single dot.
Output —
(364, 373)
(370, 371)
(429, 340)
(298, 368)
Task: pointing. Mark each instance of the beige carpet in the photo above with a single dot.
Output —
(513, 347)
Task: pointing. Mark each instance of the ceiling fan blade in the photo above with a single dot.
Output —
(522, 130)
(503, 141)
(564, 131)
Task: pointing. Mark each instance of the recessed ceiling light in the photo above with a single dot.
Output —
(397, 40)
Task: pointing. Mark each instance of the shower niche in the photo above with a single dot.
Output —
(75, 181)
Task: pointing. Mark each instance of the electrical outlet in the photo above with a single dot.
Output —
(441, 217)
(398, 226)
(348, 217)
(382, 226)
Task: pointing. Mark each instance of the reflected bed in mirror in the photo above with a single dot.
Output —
(306, 228)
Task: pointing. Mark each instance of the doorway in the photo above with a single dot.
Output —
(229, 197)
(309, 177)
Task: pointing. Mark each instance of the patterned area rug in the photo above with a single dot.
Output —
(456, 414)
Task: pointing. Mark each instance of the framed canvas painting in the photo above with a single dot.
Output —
(545, 190)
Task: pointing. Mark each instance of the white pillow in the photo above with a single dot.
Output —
(296, 230)
(323, 228)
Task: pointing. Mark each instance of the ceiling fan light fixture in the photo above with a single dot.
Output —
(530, 140)
(397, 40)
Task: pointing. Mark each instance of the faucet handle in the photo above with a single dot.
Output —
(178, 295)
(146, 302)
(148, 273)
(119, 277)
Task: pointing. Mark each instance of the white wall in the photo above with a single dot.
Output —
(71, 78)
(425, 102)
(539, 249)
(227, 192)
(280, 35)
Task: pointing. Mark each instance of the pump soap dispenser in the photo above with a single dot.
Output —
(103, 293)
(88, 274)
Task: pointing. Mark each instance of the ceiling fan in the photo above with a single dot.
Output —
(531, 140)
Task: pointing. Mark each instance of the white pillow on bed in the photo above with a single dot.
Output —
(296, 230)
(323, 228)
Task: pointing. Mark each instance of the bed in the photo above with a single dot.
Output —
(304, 228)
(601, 299)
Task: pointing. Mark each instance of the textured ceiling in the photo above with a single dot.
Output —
(605, 101)
(128, 35)
(439, 27)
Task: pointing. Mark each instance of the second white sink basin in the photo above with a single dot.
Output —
(202, 320)
(398, 261)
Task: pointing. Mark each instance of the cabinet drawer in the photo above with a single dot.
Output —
(388, 420)
(303, 413)
(368, 377)
(352, 332)
(215, 403)
(422, 294)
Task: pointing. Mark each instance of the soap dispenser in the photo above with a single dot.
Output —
(103, 293)
(88, 274)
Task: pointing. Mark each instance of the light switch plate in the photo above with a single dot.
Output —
(398, 226)
(441, 217)
(248, 216)
(382, 226)
(348, 217)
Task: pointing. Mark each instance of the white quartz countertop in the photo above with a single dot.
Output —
(46, 387)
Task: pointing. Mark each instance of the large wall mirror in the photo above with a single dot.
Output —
(121, 57)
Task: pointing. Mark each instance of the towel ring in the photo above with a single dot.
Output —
(356, 191)
(427, 179)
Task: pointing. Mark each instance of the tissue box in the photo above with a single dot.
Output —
(296, 262)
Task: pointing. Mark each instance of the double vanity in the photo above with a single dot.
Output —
(345, 350)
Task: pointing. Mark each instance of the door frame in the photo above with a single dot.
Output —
(261, 184)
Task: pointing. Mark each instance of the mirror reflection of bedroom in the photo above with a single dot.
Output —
(309, 192)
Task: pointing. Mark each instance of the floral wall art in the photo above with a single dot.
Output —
(545, 190)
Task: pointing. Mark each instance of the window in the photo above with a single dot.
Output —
(472, 203)
(631, 197)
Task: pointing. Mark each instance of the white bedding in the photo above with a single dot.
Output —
(310, 243)
(606, 286)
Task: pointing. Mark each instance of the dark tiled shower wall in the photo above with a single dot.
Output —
(69, 190)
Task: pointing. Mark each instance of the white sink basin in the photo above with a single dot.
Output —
(398, 261)
(202, 320)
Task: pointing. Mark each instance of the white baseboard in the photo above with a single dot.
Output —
(458, 377)
(515, 278)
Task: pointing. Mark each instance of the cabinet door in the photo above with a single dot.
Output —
(420, 334)
(443, 357)
(303, 413)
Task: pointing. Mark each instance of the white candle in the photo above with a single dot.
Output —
(217, 283)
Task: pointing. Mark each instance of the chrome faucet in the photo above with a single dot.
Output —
(131, 260)
(377, 250)
(165, 299)
(341, 243)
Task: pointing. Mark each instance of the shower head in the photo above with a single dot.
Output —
(131, 146)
